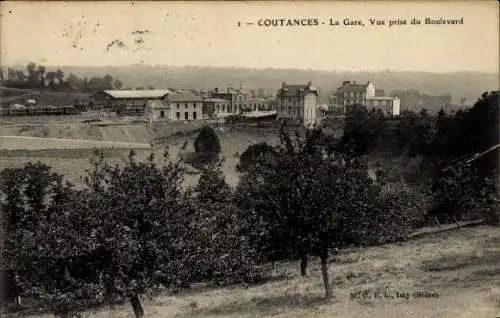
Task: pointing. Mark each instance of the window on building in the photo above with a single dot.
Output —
(162, 113)
(194, 115)
(178, 105)
(218, 110)
(194, 105)
(186, 115)
(186, 105)
(178, 115)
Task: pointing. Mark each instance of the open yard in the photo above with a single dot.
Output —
(457, 273)
(68, 148)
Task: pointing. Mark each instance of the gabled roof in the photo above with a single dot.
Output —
(256, 100)
(382, 97)
(156, 93)
(348, 87)
(232, 91)
(184, 97)
(216, 100)
(296, 90)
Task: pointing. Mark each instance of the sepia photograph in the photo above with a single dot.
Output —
(249, 159)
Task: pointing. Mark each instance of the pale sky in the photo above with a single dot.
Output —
(206, 34)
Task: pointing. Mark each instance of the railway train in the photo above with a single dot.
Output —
(41, 110)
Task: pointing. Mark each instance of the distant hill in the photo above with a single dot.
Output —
(460, 85)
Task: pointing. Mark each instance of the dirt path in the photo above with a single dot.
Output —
(33, 143)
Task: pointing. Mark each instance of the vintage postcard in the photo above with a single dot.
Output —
(249, 159)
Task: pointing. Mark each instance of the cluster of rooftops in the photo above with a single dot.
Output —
(285, 90)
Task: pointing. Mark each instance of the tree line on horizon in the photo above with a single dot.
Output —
(37, 77)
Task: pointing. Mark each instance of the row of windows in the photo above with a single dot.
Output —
(186, 115)
(186, 105)
(352, 94)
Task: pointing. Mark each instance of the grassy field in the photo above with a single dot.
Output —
(73, 162)
(460, 268)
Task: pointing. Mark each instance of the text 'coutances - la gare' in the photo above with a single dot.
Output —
(288, 22)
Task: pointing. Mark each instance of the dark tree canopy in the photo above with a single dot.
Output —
(362, 130)
(255, 154)
(207, 144)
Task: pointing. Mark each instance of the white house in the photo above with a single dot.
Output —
(185, 106)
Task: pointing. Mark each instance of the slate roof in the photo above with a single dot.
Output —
(382, 97)
(256, 100)
(216, 100)
(348, 87)
(156, 93)
(184, 97)
(232, 91)
(296, 90)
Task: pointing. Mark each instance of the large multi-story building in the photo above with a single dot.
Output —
(297, 103)
(237, 98)
(350, 94)
(216, 107)
(185, 106)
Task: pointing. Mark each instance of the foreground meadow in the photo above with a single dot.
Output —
(458, 271)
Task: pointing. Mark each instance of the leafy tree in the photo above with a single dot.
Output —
(41, 75)
(223, 254)
(362, 131)
(255, 154)
(32, 73)
(312, 203)
(415, 133)
(108, 81)
(60, 77)
(11, 74)
(117, 84)
(39, 238)
(74, 82)
(396, 209)
(20, 76)
(137, 219)
(297, 190)
(50, 77)
(207, 144)
(458, 138)
(212, 186)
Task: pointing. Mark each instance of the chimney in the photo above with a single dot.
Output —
(309, 84)
(283, 84)
(216, 90)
